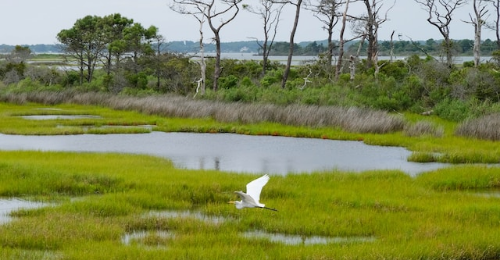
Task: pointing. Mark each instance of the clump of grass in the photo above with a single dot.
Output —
(422, 128)
(423, 157)
(486, 127)
(462, 178)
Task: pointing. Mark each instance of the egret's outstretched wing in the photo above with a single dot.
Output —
(255, 187)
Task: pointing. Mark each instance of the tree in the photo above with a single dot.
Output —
(114, 27)
(496, 4)
(138, 40)
(477, 20)
(327, 12)
(19, 54)
(372, 22)
(85, 41)
(270, 15)
(158, 58)
(343, 41)
(209, 10)
(440, 14)
(298, 6)
(199, 14)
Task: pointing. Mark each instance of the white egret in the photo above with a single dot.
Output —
(251, 198)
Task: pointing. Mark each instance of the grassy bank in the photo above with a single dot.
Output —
(98, 198)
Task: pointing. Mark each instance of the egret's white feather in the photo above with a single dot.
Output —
(255, 187)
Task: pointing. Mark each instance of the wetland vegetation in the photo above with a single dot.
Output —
(122, 206)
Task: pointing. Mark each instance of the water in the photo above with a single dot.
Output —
(232, 152)
(139, 236)
(12, 204)
(54, 117)
(305, 240)
(298, 60)
(186, 214)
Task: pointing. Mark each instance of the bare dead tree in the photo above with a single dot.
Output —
(198, 14)
(209, 10)
(270, 14)
(496, 25)
(298, 6)
(203, 65)
(343, 41)
(392, 46)
(326, 11)
(440, 16)
(373, 20)
(478, 21)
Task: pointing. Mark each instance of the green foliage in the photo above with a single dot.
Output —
(228, 82)
(397, 69)
(271, 77)
(452, 109)
(246, 82)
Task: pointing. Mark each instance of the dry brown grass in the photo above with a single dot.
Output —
(351, 119)
(486, 127)
(421, 128)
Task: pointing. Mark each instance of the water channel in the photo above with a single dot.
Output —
(232, 152)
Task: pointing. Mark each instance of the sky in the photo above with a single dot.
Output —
(26, 22)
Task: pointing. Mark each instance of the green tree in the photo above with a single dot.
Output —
(114, 26)
(86, 42)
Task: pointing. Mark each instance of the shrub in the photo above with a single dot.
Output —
(228, 82)
(246, 82)
(452, 109)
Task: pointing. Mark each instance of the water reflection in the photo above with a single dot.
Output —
(232, 152)
(490, 193)
(12, 204)
(184, 214)
(53, 117)
(140, 236)
(306, 240)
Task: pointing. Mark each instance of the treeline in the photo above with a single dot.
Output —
(307, 48)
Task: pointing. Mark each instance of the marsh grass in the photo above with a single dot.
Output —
(423, 128)
(351, 119)
(431, 216)
(486, 127)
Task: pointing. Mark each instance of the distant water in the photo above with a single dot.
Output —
(297, 60)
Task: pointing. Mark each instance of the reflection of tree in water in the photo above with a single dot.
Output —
(216, 163)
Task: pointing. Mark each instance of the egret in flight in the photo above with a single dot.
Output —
(251, 198)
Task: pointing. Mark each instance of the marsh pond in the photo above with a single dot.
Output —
(233, 152)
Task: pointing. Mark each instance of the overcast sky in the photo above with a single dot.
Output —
(38, 22)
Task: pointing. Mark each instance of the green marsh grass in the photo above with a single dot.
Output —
(98, 198)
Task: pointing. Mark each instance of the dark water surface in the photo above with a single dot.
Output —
(232, 152)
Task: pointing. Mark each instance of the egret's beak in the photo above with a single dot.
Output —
(231, 202)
